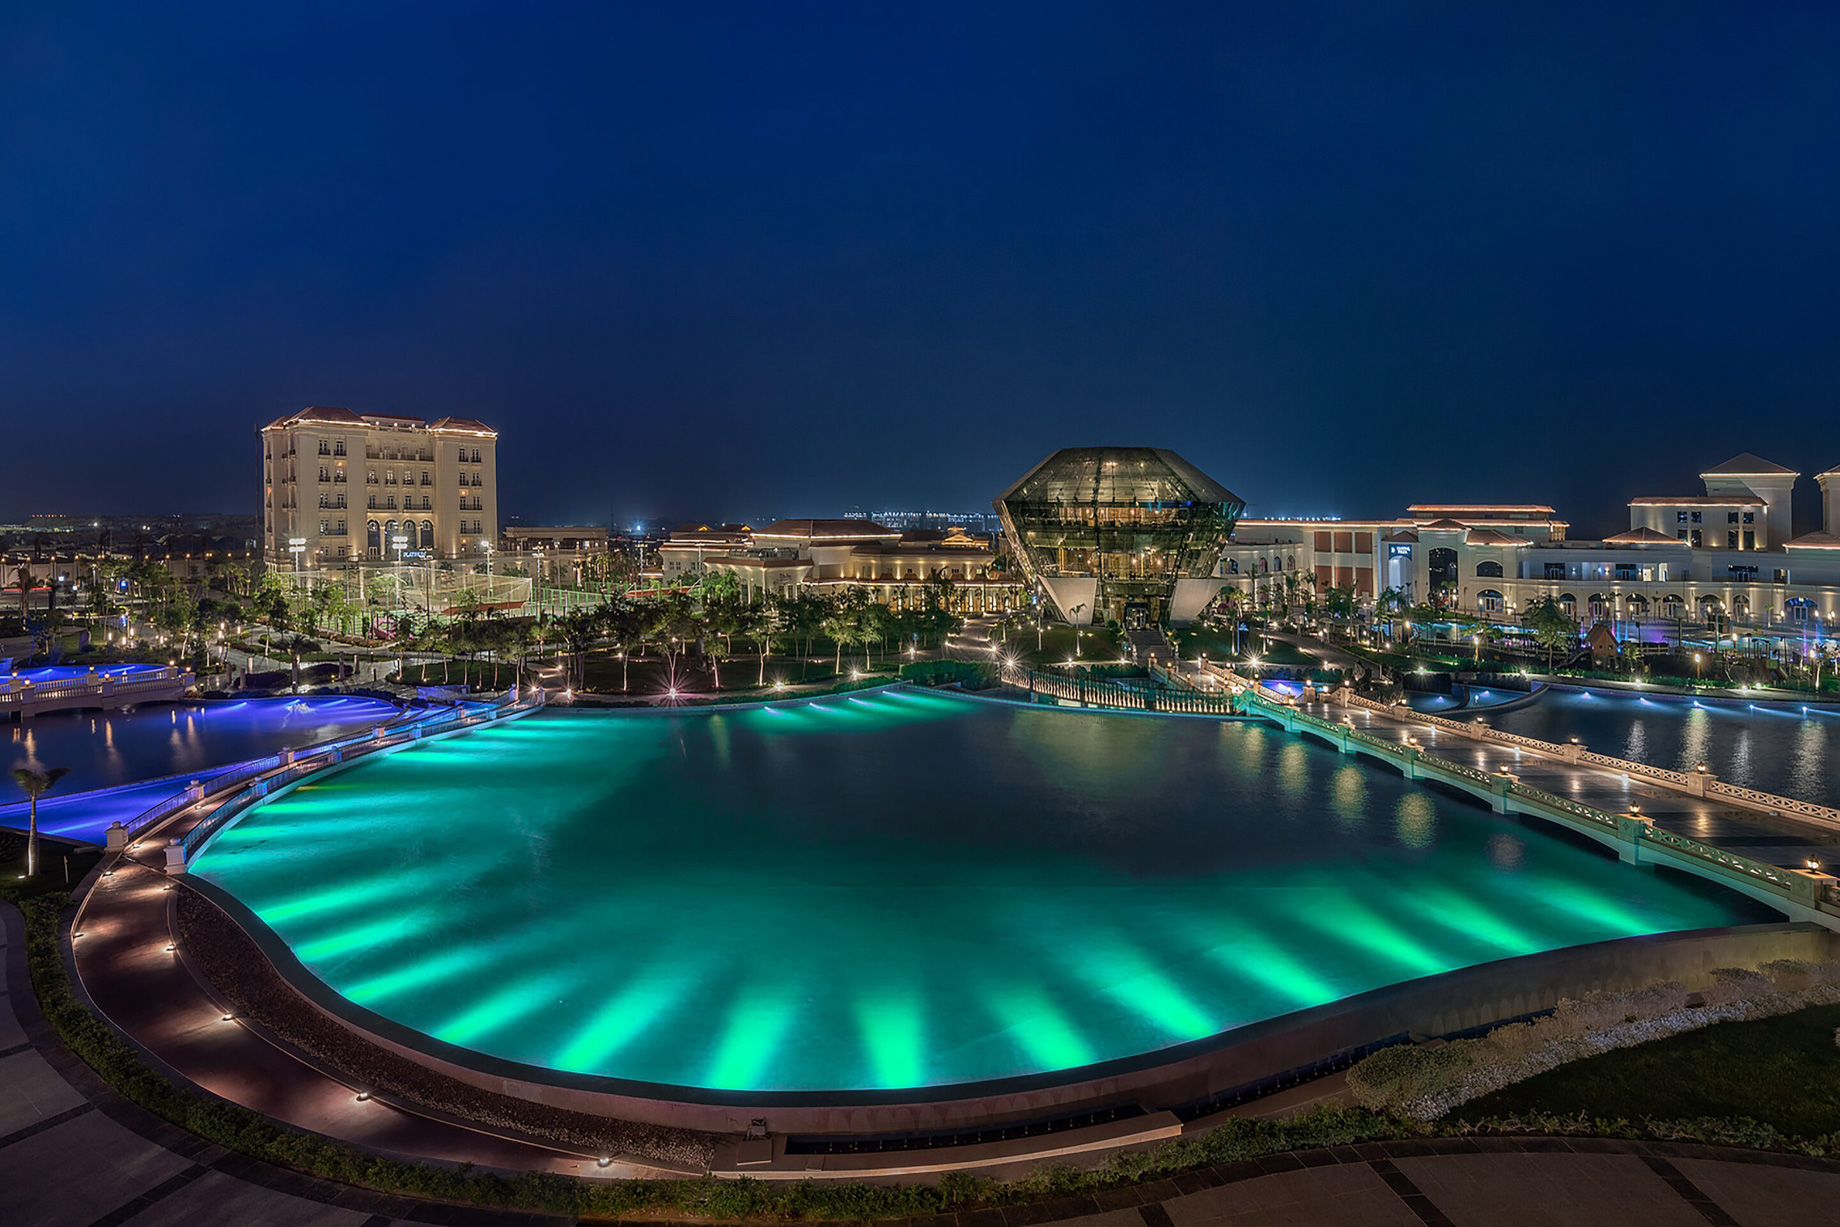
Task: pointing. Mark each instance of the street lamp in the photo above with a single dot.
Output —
(297, 546)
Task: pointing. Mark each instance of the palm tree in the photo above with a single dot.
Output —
(36, 784)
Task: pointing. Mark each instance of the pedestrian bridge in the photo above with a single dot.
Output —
(21, 698)
(1626, 806)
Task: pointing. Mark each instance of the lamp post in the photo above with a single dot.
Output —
(297, 546)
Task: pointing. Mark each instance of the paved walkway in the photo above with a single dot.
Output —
(75, 1154)
(1783, 841)
(149, 993)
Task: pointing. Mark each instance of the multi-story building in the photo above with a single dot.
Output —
(898, 569)
(1727, 556)
(339, 486)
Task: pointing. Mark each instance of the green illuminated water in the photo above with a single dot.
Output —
(896, 889)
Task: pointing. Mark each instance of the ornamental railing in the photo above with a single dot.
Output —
(1808, 889)
(1695, 782)
(1104, 693)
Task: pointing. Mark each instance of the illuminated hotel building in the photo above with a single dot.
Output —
(340, 486)
(1727, 555)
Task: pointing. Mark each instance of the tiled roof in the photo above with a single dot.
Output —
(461, 424)
(1697, 500)
(1488, 536)
(818, 529)
(319, 413)
(1641, 536)
(1747, 465)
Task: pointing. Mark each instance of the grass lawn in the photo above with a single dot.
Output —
(52, 854)
(1217, 642)
(1096, 644)
(1782, 1071)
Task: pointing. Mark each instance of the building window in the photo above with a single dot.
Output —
(1697, 539)
(1731, 517)
(1680, 517)
(1731, 539)
(1696, 518)
(1488, 570)
(338, 449)
(341, 529)
(1488, 601)
(1750, 539)
(325, 528)
(325, 448)
(1680, 534)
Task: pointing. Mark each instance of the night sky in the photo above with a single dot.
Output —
(784, 259)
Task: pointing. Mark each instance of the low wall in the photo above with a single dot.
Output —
(1433, 1005)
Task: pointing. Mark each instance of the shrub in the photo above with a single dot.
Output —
(1393, 1078)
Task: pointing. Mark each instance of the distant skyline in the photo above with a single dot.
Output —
(729, 260)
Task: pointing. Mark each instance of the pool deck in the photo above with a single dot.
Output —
(56, 1118)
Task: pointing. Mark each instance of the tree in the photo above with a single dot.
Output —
(759, 622)
(1551, 626)
(35, 784)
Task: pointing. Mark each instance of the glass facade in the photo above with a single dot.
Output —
(1133, 519)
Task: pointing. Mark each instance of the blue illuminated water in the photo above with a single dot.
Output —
(107, 750)
(896, 889)
(1775, 747)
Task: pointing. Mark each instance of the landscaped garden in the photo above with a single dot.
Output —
(1783, 1072)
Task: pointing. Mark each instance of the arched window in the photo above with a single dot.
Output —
(1798, 609)
(428, 534)
(1740, 607)
(1635, 604)
(373, 539)
(1488, 570)
(1569, 604)
(1599, 606)
(1232, 566)
(1489, 600)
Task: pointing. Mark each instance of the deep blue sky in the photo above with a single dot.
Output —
(788, 259)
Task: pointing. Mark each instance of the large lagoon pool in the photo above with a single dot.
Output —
(897, 889)
(1778, 747)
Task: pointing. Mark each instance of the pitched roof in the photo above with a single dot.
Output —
(319, 413)
(461, 424)
(1641, 536)
(1430, 508)
(1814, 541)
(1746, 464)
(1697, 500)
(1401, 534)
(855, 530)
(1488, 536)
(1445, 525)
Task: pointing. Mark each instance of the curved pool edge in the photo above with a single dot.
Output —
(1449, 1002)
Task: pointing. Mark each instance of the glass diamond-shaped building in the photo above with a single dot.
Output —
(1126, 533)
